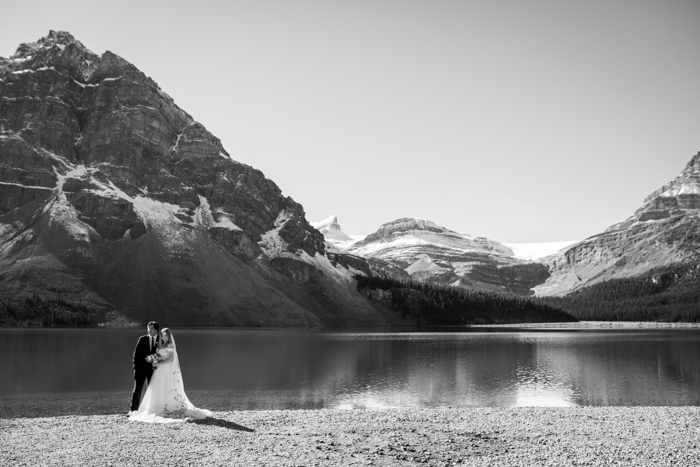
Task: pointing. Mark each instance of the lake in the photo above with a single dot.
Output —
(298, 369)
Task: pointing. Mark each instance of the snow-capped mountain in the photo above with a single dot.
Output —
(331, 229)
(408, 232)
(114, 198)
(428, 252)
(337, 241)
(664, 231)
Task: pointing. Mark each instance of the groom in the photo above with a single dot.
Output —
(143, 370)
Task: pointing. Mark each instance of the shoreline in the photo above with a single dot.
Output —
(595, 324)
(466, 436)
(568, 324)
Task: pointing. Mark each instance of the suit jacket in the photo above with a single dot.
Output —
(142, 350)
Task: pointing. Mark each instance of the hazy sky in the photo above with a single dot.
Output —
(521, 121)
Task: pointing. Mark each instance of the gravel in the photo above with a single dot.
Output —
(655, 436)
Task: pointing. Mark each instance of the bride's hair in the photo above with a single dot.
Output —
(170, 335)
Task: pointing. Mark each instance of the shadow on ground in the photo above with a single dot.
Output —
(222, 423)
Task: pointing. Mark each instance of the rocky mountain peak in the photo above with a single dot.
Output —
(426, 251)
(331, 229)
(112, 194)
(423, 230)
(680, 195)
(662, 232)
(58, 39)
(406, 226)
(59, 52)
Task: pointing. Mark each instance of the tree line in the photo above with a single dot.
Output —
(38, 310)
(436, 304)
(667, 294)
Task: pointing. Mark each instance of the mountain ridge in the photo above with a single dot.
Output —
(418, 249)
(662, 232)
(115, 200)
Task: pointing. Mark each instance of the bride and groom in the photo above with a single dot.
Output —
(156, 365)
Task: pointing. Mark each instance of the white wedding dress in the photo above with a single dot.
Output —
(165, 400)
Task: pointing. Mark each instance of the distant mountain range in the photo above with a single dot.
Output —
(336, 237)
(664, 231)
(116, 207)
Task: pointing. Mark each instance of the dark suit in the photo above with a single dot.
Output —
(142, 369)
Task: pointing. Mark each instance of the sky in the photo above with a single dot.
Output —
(521, 121)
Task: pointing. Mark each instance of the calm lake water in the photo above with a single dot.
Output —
(283, 369)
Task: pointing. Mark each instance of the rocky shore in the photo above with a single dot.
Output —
(652, 436)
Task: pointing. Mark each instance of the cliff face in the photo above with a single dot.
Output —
(425, 251)
(113, 196)
(664, 231)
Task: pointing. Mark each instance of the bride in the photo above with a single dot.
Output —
(165, 400)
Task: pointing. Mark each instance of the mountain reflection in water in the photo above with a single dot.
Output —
(283, 369)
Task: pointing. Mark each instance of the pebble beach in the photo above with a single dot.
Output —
(85, 431)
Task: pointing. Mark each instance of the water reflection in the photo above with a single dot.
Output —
(260, 369)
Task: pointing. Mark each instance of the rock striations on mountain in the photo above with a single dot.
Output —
(664, 231)
(425, 251)
(113, 197)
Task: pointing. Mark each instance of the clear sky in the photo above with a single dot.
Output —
(521, 121)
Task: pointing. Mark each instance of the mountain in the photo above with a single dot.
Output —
(116, 205)
(428, 252)
(331, 230)
(664, 231)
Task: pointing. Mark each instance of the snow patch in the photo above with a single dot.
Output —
(160, 219)
(63, 213)
(33, 187)
(177, 143)
(85, 85)
(271, 242)
(225, 223)
(29, 70)
(337, 273)
(345, 245)
(202, 215)
(533, 251)
(424, 263)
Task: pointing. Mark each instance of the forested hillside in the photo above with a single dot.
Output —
(434, 304)
(669, 294)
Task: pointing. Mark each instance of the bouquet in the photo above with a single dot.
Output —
(153, 359)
